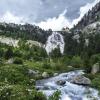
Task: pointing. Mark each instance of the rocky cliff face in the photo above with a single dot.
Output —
(84, 38)
(89, 18)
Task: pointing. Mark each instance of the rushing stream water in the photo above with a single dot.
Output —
(69, 91)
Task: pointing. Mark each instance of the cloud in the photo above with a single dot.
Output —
(57, 23)
(10, 18)
(83, 11)
(43, 17)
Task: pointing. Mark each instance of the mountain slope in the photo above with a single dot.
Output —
(89, 18)
(27, 31)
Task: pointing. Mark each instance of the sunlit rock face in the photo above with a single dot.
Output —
(55, 40)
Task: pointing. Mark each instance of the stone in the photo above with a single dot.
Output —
(70, 66)
(55, 74)
(45, 75)
(95, 68)
(81, 80)
(10, 61)
(61, 82)
(32, 72)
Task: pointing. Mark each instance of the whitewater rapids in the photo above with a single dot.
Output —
(69, 91)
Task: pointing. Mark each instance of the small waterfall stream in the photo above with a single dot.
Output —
(69, 91)
(54, 41)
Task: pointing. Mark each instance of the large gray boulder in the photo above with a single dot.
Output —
(95, 68)
(80, 80)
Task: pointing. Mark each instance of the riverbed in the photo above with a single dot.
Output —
(69, 91)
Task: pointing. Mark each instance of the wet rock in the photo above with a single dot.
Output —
(61, 82)
(10, 61)
(45, 75)
(95, 68)
(70, 66)
(55, 74)
(33, 73)
(39, 87)
(80, 80)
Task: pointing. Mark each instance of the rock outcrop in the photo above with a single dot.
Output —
(80, 80)
(45, 75)
(95, 68)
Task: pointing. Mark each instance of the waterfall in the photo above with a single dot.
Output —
(55, 40)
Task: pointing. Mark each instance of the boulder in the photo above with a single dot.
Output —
(70, 66)
(61, 82)
(55, 74)
(80, 80)
(32, 72)
(45, 75)
(95, 68)
(10, 61)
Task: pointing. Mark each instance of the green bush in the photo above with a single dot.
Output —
(18, 61)
(55, 96)
(94, 59)
(77, 62)
(9, 53)
(5, 93)
(96, 83)
(19, 92)
(46, 65)
(14, 74)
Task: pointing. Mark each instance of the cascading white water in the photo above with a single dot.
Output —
(54, 41)
(69, 91)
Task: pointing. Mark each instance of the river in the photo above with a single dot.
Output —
(69, 91)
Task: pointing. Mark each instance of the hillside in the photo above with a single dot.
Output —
(89, 18)
(70, 70)
(85, 36)
(27, 32)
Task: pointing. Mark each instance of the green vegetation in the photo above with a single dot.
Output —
(21, 66)
(55, 96)
(16, 81)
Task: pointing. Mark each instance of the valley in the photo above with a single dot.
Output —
(37, 64)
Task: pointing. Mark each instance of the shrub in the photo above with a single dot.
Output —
(46, 65)
(94, 59)
(9, 53)
(37, 96)
(96, 82)
(55, 96)
(5, 93)
(77, 62)
(19, 92)
(18, 61)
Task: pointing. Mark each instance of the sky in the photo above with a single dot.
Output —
(47, 14)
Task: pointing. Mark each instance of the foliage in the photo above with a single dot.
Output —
(95, 59)
(77, 61)
(55, 96)
(18, 61)
(9, 53)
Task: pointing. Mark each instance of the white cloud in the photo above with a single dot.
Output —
(57, 24)
(10, 18)
(83, 11)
